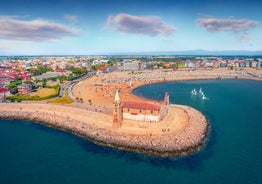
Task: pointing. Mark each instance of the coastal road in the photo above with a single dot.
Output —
(71, 84)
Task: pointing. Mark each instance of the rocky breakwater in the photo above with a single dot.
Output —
(97, 127)
(190, 137)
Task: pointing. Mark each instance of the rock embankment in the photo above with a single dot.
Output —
(98, 128)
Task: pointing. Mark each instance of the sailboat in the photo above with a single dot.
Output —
(204, 97)
(194, 92)
(201, 92)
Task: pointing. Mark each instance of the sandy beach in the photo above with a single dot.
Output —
(100, 89)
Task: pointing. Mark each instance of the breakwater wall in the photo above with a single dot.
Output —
(192, 138)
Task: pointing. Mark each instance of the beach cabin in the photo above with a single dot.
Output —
(259, 64)
(254, 64)
(247, 64)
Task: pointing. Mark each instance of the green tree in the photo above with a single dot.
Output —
(13, 86)
(40, 70)
(44, 83)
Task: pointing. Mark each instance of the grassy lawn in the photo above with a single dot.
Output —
(63, 100)
(43, 92)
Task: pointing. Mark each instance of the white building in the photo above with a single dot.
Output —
(101, 61)
(132, 66)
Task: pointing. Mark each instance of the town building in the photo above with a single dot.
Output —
(48, 75)
(3, 93)
(132, 65)
(24, 89)
(4, 81)
(259, 64)
(253, 64)
(99, 62)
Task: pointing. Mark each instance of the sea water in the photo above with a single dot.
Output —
(32, 153)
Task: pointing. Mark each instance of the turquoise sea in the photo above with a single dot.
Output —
(32, 153)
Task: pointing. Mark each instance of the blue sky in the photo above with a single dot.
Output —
(30, 27)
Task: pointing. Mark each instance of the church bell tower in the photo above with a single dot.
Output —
(117, 111)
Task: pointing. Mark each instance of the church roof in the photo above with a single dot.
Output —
(141, 105)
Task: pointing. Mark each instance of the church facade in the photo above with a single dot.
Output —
(141, 111)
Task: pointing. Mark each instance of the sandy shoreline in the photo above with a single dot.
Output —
(101, 89)
(174, 136)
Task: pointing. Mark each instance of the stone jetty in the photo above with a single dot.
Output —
(183, 130)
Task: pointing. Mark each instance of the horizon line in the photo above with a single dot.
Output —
(197, 52)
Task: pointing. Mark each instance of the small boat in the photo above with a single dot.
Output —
(204, 97)
(194, 92)
(200, 91)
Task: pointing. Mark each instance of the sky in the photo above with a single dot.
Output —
(87, 27)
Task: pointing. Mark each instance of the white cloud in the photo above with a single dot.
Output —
(168, 40)
(7, 45)
(140, 25)
(71, 18)
(36, 30)
(245, 38)
(233, 25)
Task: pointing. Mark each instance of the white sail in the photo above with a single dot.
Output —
(130, 83)
(194, 92)
(200, 91)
